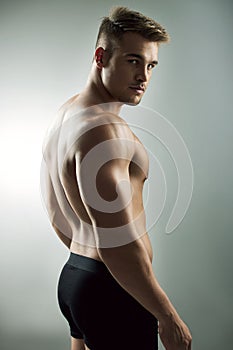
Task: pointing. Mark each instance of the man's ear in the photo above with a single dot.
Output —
(100, 57)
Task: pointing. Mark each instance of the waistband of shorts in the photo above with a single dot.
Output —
(87, 264)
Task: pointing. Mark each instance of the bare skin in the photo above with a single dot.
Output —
(121, 78)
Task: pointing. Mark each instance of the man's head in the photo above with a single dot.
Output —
(126, 52)
(122, 20)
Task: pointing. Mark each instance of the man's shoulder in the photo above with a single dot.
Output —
(104, 130)
(72, 109)
(96, 121)
(87, 127)
(107, 125)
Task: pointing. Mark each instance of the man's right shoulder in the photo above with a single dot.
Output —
(104, 126)
(93, 130)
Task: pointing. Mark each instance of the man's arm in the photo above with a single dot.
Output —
(131, 267)
(129, 264)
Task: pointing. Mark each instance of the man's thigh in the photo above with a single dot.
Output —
(114, 320)
(78, 344)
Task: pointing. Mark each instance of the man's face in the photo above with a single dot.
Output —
(128, 71)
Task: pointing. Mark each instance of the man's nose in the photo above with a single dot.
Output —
(142, 75)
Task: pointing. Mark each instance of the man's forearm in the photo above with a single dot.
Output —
(131, 267)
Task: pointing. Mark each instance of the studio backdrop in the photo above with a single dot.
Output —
(185, 121)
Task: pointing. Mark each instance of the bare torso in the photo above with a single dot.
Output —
(63, 197)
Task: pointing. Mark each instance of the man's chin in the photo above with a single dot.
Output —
(133, 102)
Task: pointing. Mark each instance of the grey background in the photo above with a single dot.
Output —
(46, 52)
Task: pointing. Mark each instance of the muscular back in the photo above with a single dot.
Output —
(94, 172)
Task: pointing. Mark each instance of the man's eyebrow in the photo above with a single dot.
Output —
(140, 57)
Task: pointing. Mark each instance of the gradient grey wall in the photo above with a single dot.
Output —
(46, 50)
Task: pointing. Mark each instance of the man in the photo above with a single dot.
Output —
(94, 175)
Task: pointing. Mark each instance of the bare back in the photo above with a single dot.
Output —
(72, 137)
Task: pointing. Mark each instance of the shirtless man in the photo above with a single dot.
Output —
(93, 174)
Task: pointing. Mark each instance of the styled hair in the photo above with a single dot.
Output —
(122, 20)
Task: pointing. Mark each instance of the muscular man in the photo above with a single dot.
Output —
(93, 174)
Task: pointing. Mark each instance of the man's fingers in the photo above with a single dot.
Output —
(190, 345)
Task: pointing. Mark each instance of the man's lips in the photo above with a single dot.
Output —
(138, 88)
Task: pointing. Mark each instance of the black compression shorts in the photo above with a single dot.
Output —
(100, 311)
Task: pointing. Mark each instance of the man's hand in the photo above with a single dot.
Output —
(174, 334)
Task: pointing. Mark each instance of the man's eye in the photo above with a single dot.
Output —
(150, 66)
(133, 61)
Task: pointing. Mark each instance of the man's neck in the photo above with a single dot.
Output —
(95, 94)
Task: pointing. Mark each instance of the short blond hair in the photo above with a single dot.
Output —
(122, 20)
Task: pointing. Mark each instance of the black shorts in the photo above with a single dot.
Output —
(100, 311)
